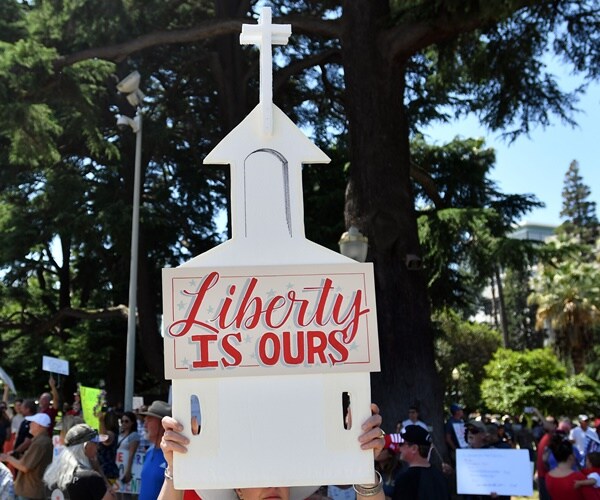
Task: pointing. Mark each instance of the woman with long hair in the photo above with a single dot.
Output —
(127, 445)
(72, 473)
(560, 481)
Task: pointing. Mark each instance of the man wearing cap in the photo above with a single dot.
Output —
(421, 481)
(153, 470)
(580, 434)
(38, 456)
(476, 434)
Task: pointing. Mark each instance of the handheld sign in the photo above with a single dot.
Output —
(55, 365)
(269, 338)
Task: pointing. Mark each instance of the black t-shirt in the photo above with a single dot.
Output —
(22, 433)
(86, 485)
(421, 483)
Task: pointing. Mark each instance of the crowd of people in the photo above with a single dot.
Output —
(81, 461)
(47, 453)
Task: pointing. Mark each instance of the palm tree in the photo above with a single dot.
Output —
(567, 293)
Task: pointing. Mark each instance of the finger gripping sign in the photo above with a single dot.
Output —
(269, 338)
(276, 320)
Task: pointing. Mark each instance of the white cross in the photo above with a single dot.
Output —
(264, 34)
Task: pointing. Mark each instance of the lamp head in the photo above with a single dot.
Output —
(130, 83)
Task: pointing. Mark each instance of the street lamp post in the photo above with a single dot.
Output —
(130, 87)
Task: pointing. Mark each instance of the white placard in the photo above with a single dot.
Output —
(121, 459)
(137, 402)
(55, 365)
(489, 470)
(459, 431)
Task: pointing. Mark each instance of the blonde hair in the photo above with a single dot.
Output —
(61, 471)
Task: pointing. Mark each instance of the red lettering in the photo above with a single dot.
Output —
(231, 350)
(274, 304)
(323, 296)
(288, 357)
(186, 324)
(204, 341)
(273, 340)
(338, 346)
(225, 307)
(317, 343)
(352, 318)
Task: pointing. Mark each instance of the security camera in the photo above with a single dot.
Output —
(124, 123)
(413, 262)
(130, 83)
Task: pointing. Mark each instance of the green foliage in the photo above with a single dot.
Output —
(462, 350)
(567, 293)
(580, 213)
(464, 233)
(537, 378)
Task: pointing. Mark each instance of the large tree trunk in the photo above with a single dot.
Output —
(382, 206)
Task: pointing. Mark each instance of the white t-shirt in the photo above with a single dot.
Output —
(15, 423)
(578, 436)
(420, 423)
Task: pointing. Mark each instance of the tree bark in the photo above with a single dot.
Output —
(382, 205)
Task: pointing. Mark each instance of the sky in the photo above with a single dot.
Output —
(537, 164)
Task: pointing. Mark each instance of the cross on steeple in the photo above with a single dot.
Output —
(264, 34)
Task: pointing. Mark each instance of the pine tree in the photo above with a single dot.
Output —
(580, 213)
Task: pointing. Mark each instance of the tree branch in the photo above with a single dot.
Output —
(204, 31)
(428, 184)
(284, 74)
(406, 39)
(33, 325)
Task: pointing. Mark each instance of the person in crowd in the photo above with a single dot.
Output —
(591, 471)
(580, 434)
(24, 437)
(523, 436)
(141, 428)
(107, 449)
(127, 445)
(5, 422)
(49, 404)
(16, 421)
(413, 418)
(496, 436)
(173, 441)
(7, 488)
(72, 472)
(453, 429)
(560, 481)
(478, 437)
(155, 463)
(388, 464)
(38, 456)
(421, 481)
(542, 468)
(75, 408)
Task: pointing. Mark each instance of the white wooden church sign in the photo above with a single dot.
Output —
(267, 334)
